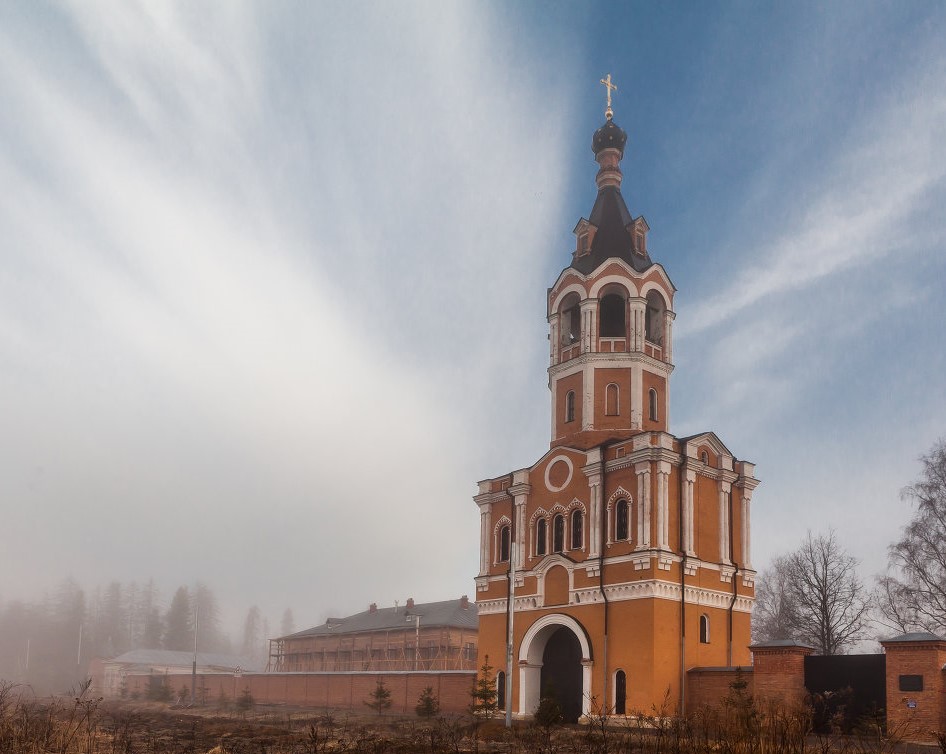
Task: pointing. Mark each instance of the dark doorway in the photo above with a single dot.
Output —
(562, 673)
(846, 689)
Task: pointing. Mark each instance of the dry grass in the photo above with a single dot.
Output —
(82, 724)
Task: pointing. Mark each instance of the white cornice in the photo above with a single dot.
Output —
(634, 590)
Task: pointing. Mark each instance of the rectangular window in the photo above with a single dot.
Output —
(911, 683)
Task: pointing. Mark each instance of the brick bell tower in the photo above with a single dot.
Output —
(620, 559)
(610, 315)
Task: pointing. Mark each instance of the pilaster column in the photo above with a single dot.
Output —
(587, 397)
(746, 529)
(663, 505)
(668, 336)
(589, 325)
(554, 344)
(725, 490)
(643, 505)
(594, 471)
(519, 490)
(484, 539)
(688, 526)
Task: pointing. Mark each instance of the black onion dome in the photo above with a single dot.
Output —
(609, 135)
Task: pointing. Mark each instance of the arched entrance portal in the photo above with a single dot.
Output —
(555, 653)
(561, 673)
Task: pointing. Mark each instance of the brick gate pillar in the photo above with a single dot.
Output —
(778, 670)
(916, 706)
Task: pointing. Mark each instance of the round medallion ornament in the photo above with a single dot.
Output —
(558, 473)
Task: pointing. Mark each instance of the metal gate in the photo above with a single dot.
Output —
(848, 691)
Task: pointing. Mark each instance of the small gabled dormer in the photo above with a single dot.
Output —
(638, 230)
(585, 235)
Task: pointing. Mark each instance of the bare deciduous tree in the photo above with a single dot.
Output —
(912, 596)
(813, 595)
(773, 616)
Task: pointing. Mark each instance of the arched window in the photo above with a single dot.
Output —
(570, 406)
(704, 629)
(541, 535)
(620, 693)
(558, 533)
(612, 400)
(570, 320)
(501, 690)
(611, 314)
(654, 318)
(653, 404)
(622, 529)
(504, 544)
(576, 530)
(704, 457)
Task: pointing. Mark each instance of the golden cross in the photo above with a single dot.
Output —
(609, 113)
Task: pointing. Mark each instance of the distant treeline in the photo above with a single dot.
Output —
(48, 644)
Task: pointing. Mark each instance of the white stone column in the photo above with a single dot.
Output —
(663, 505)
(484, 540)
(594, 470)
(589, 325)
(643, 505)
(724, 493)
(554, 338)
(519, 554)
(587, 397)
(746, 529)
(688, 525)
(668, 336)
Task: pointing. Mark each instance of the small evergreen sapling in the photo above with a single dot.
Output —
(427, 705)
(379, 699)
(484, 691)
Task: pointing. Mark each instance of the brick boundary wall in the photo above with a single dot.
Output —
(707, 687)
(342, 691)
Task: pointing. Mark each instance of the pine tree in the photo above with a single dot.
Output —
(484, 691)
(380, 698)
(288, 624)
(179, 631)
(427, 705)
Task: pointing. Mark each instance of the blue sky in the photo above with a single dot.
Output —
(273, 286)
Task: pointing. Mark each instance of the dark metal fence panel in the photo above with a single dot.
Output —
(847, 690)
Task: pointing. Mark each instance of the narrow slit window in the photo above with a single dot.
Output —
(704, 629)
(652, 402)
(612, 400)
(570, 406)
(504, 544)
(577, 530)
(620, 693)
(623, 527)
(558, 533)
(540, 536)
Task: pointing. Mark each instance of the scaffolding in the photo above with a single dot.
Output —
(429, 648)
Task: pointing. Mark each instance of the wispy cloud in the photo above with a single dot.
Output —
(227, 242)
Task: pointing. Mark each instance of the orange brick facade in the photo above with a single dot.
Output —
(624, 548)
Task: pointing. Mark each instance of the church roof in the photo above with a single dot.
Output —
(459, 613)
(610, 215)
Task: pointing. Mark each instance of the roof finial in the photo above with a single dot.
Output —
(609, 113)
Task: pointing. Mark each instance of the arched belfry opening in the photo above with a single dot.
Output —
(570, 320)
(654, 318)
(555, 660)
(613, 316)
